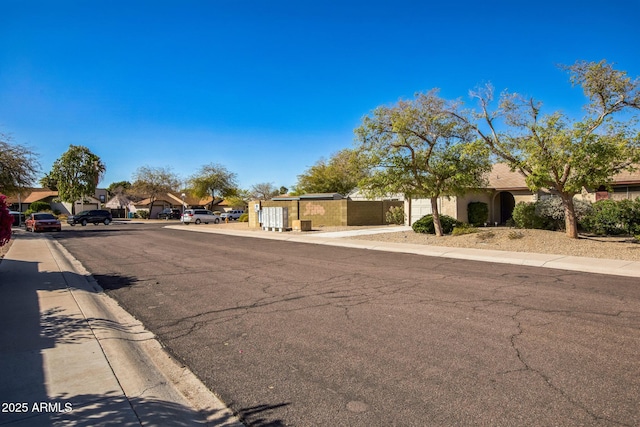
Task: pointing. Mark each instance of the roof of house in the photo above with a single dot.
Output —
(626, 177)
(30, 195)
(502, 177)
(118, 201)
(176, 199)
(38, 194)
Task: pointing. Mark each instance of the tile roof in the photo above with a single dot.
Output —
(502, 177)
(39, 194)
(626, 177)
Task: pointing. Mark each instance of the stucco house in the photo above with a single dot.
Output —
(174, 200)
(506, 188)
(22, 201)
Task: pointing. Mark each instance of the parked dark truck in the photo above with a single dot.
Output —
(95, 216)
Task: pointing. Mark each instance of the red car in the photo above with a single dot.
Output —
(41, 222)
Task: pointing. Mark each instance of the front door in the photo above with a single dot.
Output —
(507, 204)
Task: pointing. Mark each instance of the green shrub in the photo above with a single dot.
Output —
(395, 215)
(425, 224)
(143, 214)
(463, 229)
(478, 213)
(630, 215)
(243, 218)
(38, 207)
(524, 216)
(606, 217)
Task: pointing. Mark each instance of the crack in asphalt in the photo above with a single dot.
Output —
(547, 380)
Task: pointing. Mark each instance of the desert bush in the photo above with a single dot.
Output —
(478, 213)
(425, 224)
(463, 228)
(485, 235)
(551, 210)
(243, 218)
(143, 214)
(395, 215)
(514, 235)
(547, 213)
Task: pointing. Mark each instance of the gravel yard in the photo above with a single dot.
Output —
(537, 241)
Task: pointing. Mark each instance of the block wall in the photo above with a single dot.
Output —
(324, 213)
(369, 212)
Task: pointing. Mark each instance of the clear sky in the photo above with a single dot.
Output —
(267, 88)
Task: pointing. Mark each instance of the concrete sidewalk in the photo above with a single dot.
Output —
(69, 355)
(341, 238)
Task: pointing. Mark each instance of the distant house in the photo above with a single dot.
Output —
(22, 201)
(506, 188)
(120, 206)
(174, 200)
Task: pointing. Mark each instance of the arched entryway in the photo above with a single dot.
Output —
(507, 204)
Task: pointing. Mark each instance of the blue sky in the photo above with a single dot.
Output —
(269, 88)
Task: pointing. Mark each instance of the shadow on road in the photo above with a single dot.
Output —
(248, 415)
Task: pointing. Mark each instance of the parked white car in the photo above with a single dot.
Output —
(197, 216)
(231, 214)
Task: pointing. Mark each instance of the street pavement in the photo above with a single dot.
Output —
(341, 238)
(69, 355)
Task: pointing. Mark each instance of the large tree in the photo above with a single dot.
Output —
(118, 187)
(555, 152)
(264, 191)
(213, 180)
(77, 174)
(19, 166)
(47, 181)
(339, 174)
(239, 199)
(415, 148)
(152, 182)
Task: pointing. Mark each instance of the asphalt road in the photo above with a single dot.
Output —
(312, 335)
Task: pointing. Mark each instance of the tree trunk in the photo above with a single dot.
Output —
(570, 222)
(436, 217)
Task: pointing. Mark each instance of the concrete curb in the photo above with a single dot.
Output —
(65, 342)
(141, 365)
